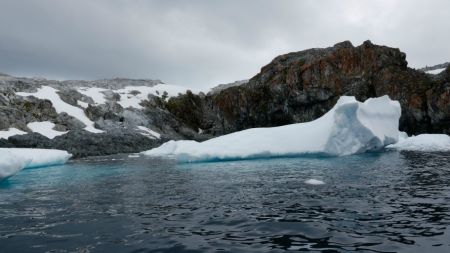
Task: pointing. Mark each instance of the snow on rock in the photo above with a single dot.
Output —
(435, 71)
(132, 96)
(45, 128)
(149, 133)
(350, 127)
(82, 104)
(423, 142)
(314, 182)
(12, 160)
(5, 134)
(95, 93)
(47, 92)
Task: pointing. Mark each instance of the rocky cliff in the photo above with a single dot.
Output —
(123, 115)
(302, 86)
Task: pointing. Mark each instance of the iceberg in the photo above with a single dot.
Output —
(12, 160)
(423, 142)
(350, 127)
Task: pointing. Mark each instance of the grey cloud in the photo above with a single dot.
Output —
(203, 43)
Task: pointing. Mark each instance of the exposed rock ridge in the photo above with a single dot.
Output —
(302, 86)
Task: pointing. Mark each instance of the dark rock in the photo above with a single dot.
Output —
(302, 86)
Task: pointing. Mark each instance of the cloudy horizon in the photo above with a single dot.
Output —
(200, 44)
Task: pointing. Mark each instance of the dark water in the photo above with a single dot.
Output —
(383, 202)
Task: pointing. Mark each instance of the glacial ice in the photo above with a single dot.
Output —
(12, 160)
(350, 127)
(423, 142)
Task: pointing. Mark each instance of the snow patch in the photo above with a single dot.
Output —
(435, 71)
(12, 160)
(95, 93)
(132, 96)
(350, 127)
(423, 142)
(82, 104)
(149, 133)
(5, 134)
(45, 128)
(314, 182)
(47, 92)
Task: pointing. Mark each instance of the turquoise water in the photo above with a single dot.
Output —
(377, 202)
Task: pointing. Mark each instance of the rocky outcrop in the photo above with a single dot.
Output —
(124, 127)
(302, 86)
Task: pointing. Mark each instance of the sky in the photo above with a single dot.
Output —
(202, 43)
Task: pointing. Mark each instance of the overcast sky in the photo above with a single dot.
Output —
(204, 43)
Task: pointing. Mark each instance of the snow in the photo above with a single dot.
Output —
(132, 96)
(45, 128)
(82, 104)
(12, 160)
(149, 133)
(314, 182)
(95, 93)
(129, 100)
(350, 127)
(435, 71)
(424, 143)
(5, 134)
(47, 92)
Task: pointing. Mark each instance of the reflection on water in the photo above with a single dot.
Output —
(379, 202)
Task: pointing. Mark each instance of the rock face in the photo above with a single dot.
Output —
(135, 115)
(302, 86)
(125, 128)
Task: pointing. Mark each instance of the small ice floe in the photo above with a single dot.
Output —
(133, 156)
(314, 182)
(12, 160)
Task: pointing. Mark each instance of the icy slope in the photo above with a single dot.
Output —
(349, 127)
(12, 160)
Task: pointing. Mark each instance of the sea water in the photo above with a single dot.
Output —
(376, 202)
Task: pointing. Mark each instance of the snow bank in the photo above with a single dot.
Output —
(423, 142)
(45, 128)
(349, 127)
(12, 160)
(47, 92)
(5, 134)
